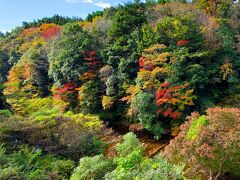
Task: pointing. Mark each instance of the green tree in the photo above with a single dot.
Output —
(127, 18)
(179, 31)
(145, 105)
(1, 34)
(89, 97)
(28, 163)
(4, 66)
(147, 38)
(93, 167)
(121, 53)
(131, 163)
(37, 56)
(2, 97)
(67, 56)
(92, 15)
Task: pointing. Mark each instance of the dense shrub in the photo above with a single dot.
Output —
(93, 167)
(5, 113)
(29, 163)
(34, 106)
(208, 145)
(130, 164)
(45, 125)
(156, 168)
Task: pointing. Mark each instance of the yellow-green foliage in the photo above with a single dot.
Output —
(107, 102)
(67, 134)
(5, 113)
(46, 110)
(87, 121)
(43, 104)
(39, 110)
(195, 127)
(26, 106)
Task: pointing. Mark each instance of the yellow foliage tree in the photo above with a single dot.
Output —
(107, 102)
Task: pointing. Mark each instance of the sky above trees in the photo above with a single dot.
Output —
(14, 12)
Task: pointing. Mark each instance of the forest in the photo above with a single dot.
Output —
(139, 91)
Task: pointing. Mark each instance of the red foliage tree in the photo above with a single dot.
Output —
(92, 53)
(182, 42)
(65, 91)
(141, 62)
(92, 60)
(172, 100)
(50, 32)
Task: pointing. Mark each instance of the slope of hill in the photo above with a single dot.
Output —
(165, 70)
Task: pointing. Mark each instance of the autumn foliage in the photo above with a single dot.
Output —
(208, 145)
(147, 65)
(65, 92)
(172, 100)
(49, 31)
(182, 42)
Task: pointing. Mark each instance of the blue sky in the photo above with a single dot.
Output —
(14, 12)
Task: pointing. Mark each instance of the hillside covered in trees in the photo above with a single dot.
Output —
(168, 69)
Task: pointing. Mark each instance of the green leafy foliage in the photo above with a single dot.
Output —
(93, 167)
(129, 145)
(92, 15)
(67, 58)
(56, 19)
(89, 104)
(129, 164)
(31, 164)
(127, 19)
(5, 113)
(146, 107)
(196, 127)
(2, 97)
(173, 30)
(4, 66)
(37, 56)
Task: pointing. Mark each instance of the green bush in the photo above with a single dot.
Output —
(154, 169)
(145, 105)
(31, 164)
(130, 164)
(5, 113)
(93, 168)
(130, 144)
(159, 168)
(34, 106)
